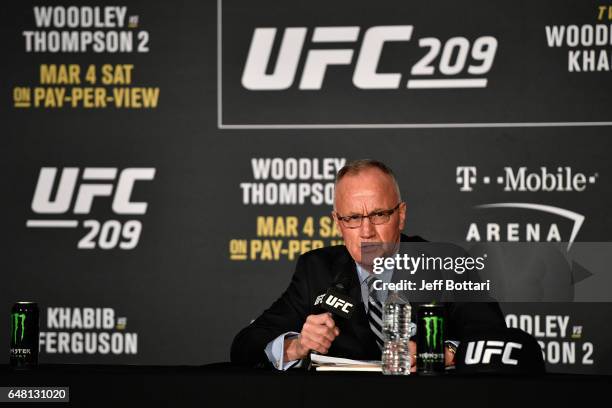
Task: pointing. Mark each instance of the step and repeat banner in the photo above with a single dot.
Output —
(165, 164)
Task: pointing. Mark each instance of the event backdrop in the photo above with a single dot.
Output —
(165, 163)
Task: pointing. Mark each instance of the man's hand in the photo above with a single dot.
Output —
(449, 356)
(413, 355)
(318, 333)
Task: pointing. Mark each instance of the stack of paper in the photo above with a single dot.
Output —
(326, 363)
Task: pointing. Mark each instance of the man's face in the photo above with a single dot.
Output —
(364, 193)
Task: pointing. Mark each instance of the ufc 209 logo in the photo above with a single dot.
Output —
(481, 352)
(71, 192)
(457, 59)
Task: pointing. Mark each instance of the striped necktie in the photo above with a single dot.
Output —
(375, 314)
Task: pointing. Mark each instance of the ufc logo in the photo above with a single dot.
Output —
(42, 203)
(365, 76)
(338, 303)
(319, 299)
(477, 352)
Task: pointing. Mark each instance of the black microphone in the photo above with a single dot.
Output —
(336, 301)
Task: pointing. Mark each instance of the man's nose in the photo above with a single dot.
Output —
(367, 229)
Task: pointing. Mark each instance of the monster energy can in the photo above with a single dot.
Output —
(24, 335)
(430, 340)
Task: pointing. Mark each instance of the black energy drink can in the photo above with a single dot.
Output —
(430, 339)
(24, 332)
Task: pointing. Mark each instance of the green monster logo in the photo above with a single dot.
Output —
(433, 325)
(15, 323)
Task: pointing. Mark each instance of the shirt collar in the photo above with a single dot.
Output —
(363, 274)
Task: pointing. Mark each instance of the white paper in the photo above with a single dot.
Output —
(319, 359)
(346, 367)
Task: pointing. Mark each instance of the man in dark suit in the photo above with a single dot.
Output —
(367, 209)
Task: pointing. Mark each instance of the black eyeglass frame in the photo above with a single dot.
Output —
(387, 213)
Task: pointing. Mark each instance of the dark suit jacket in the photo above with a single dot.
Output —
(315, 272)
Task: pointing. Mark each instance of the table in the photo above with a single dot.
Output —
(227, 385)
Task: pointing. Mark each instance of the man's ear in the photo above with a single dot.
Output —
(339, 227)
(402, 214)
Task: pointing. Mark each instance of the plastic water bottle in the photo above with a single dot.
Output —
(397, 329)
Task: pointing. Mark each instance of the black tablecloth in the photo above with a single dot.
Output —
(221, 385)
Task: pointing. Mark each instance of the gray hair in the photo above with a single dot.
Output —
(356, 166)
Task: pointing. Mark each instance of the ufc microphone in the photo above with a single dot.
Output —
(336, 301)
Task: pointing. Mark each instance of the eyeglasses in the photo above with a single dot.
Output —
(376, 218)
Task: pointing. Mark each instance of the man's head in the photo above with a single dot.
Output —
(368, 188)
